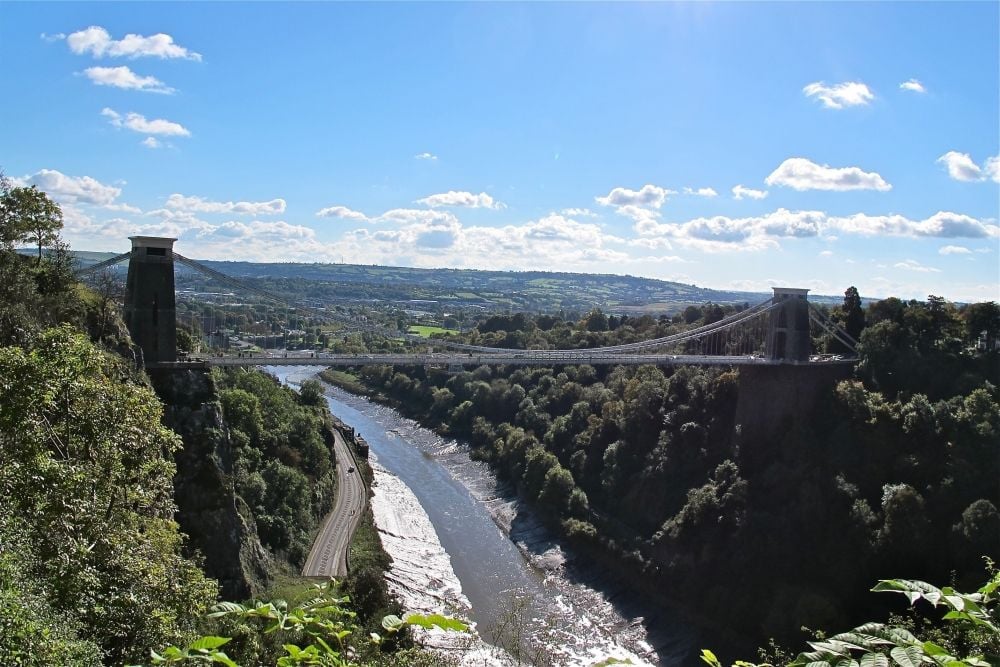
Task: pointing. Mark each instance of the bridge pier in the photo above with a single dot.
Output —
(788, 331)
(150, 310)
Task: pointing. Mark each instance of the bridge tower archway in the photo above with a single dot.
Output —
(788, 332)
(150, 308)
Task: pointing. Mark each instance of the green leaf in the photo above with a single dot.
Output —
(392, 623)
(224, 608)
(430, 620)
(208, 643)
(932, 649)
(709, 658)
(911, 656)
(855, 640)
(223, 659)
(846, 662)
(874, 660)
(901, 636)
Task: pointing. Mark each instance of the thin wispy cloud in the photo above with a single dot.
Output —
(123, 77)
(913, 265)
(194, 204)
(139, 123)
(426, 156)
(954, 250)
(840, 95)
(701, 192)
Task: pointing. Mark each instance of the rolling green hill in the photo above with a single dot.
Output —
(434, 289)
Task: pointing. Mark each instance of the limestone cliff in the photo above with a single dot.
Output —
(217, 520)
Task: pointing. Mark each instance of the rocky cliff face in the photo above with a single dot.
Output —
(217, 520)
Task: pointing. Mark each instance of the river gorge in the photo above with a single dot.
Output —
(462, 543)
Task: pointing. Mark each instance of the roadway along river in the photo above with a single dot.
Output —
(566, 608)
(328, 556)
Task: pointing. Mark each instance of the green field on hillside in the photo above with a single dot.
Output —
(427, 331)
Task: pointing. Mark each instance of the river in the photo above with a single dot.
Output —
(462, 543)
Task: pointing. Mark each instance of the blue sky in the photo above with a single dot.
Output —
(730, 145)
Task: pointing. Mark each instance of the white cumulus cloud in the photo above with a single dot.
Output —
(701, 192)
(341, 212)
(913, 85)
(991, 168)
(722, 233)
(648, 196)
(840, 95)
(961, 167)
(426, 156)
(123, 77)
(180, 202)
(97, 41)
(578, 212)
(739, 192)
(152, 142)
(943, 224)
(139, 123)
(73, 189)
(802, 174)
(460, 199)
(407, 216)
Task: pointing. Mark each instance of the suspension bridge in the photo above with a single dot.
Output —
(773, 332)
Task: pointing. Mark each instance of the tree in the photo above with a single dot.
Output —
(27, 214)
(982, 318)
(854, 316)
(86, 482)
(110, 291)
(596, 321)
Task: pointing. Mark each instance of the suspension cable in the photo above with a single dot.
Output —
(94, 268)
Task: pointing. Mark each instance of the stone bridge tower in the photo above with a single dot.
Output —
(788, 332)
(150, 312)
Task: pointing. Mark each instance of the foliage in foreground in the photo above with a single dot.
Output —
(91, 564)
(974, 632)
(322, 631)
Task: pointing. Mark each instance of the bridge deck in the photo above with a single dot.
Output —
(527, 358)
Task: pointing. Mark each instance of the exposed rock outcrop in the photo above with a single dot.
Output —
(217, 520)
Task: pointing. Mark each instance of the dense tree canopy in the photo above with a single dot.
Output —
(898, 468)
(85, 502)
